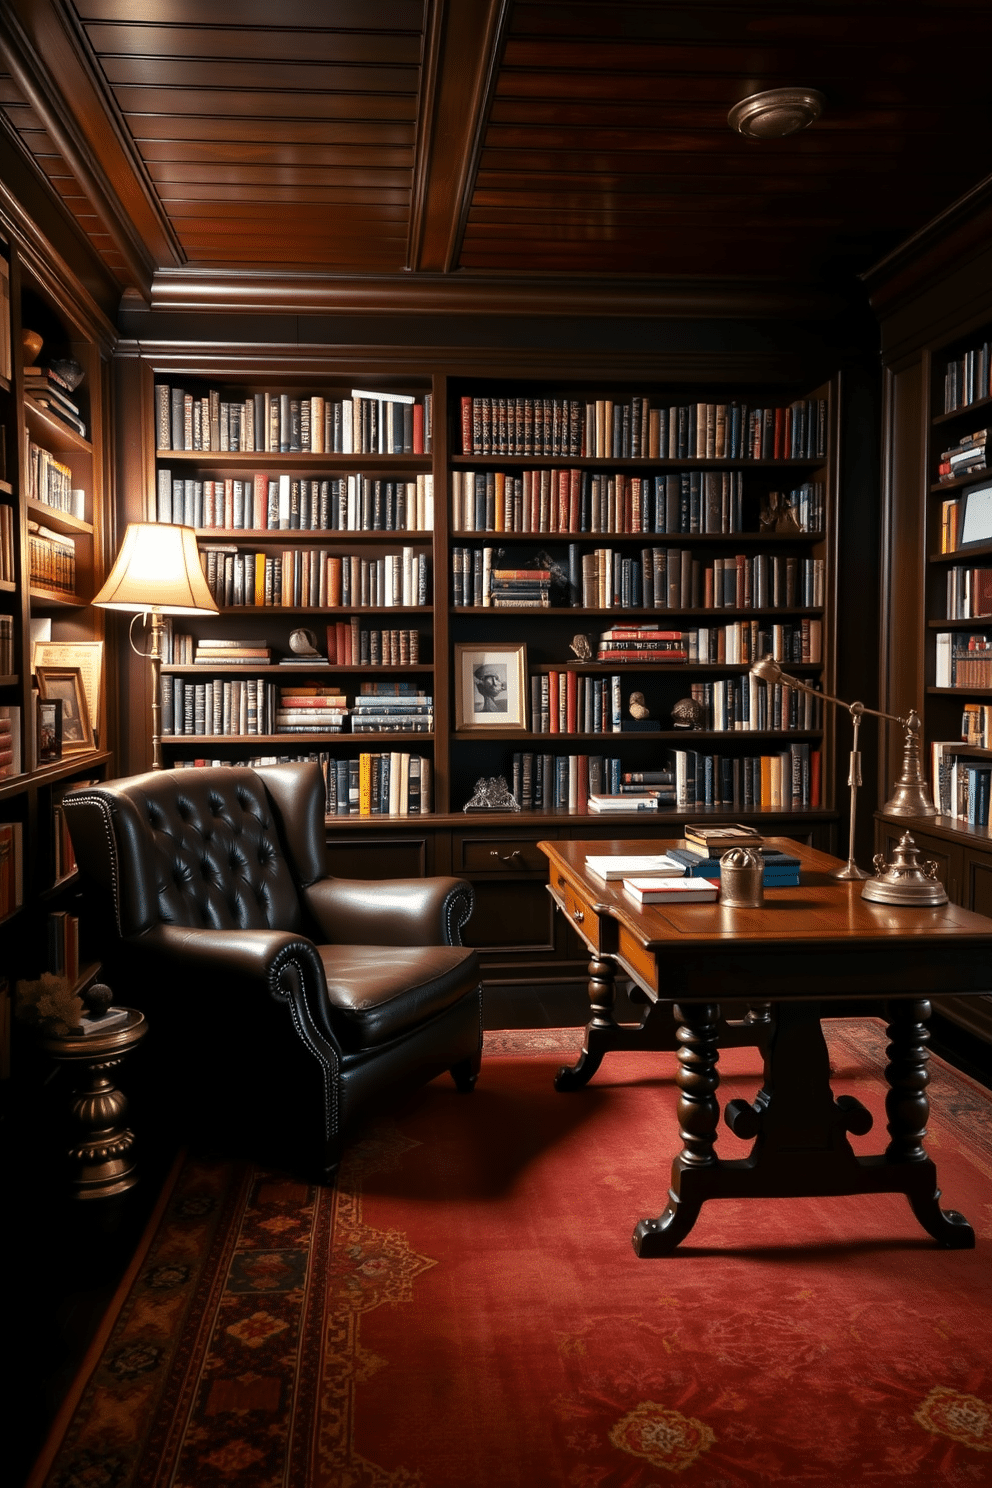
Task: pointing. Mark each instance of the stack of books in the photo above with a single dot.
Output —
(712, 841)
(216, 652)
(642, 642)
(781, 870)
(963, 458)
(671, 890)
(520, 588)
(392, 708)
(644, 801)
(310, 710)
(657, 783)
(47, 388)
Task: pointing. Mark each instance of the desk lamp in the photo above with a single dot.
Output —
(911, 796)
(157, 572)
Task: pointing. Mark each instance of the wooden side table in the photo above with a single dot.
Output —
(101, 1156)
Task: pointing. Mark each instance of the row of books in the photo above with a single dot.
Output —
(655, 578)
(787, 779)
(7, 665)
(744, 641)
(961, 782)
(569, 703)
(11, 867)
(252, 706)
(969, 593)
(8, 559)
(51, 559)
(391, 713)
(968, 378)
(963, 660)
(348, 644)
(49, 481)
(10, 741)
(606, 429)
(314, 578)
(575, 500)
(641, 643)
(964, 458)
(394, 783)
(53, 393)
(976, 724)
(363, 423)
(747, 705)
(261, 503)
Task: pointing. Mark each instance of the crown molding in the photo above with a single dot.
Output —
(941, 246)
(279, 293)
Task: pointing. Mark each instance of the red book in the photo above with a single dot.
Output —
(553, 702)
(260, 502)
(574, 499)
(564, 481)
(571, 725)
(814, 777)
(467, 426)
(418, 428)
(332, 643)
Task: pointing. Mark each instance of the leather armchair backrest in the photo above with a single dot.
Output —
(200, 848)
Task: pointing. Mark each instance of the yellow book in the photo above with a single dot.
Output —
(365, 785)
(260, 578)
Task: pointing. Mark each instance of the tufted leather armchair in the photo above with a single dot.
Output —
(281, 1002)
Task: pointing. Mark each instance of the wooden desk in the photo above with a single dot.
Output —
(805, 953)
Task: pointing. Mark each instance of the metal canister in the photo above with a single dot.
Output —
(742, 878)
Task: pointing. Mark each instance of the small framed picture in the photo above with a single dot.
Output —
(490, 687)
(49, 730)
(65, 684)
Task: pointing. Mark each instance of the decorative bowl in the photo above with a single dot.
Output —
(32, 344)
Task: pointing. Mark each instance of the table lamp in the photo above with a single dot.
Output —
(157, 572)
(911, 796)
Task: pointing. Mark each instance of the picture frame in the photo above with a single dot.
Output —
(490, 687)
(49, 730)
(976, 517)
(88, 657)
(66, 684)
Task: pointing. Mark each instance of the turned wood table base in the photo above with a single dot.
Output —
(799, 1128)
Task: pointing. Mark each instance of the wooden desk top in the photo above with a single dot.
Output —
(822, 926)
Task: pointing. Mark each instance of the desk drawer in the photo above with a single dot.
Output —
(501, 855)
(579, 914)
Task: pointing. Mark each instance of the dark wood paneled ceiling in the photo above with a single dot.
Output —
(407, 139)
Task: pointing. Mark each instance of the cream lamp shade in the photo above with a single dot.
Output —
(157, 568)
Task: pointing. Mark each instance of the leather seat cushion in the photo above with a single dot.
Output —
(380, 992)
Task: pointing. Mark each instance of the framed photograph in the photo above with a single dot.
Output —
(976, 517)
(88, 657)
(49, 730)
(490, 687)
(66, 684)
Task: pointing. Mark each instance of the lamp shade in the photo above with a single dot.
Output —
(157, 568)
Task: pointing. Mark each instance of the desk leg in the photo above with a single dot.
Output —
(699, 1115)
(600, 1029)
(908, 1108)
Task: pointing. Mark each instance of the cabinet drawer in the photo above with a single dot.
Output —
(582, 918)
(501, 855)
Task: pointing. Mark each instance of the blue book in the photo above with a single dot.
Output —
(781, 869)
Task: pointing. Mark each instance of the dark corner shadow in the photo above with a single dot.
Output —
(490, 1137)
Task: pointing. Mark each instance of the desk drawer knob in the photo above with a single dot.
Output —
(510, 857)
(578, 916)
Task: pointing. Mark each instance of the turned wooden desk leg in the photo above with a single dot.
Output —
(699, 1115)
(602, 1000)
(908, 1108)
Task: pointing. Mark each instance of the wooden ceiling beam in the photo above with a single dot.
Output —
(463, 48)
(39, 44)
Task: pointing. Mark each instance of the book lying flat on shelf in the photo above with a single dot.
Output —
(623, 803)
(656, 865)
(671, 890)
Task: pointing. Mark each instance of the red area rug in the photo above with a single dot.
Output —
(466, 1308)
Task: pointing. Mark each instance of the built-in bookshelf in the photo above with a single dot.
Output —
(54, 350)
(405, 568)
(935, 310)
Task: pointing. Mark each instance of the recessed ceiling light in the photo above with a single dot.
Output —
(776, 113)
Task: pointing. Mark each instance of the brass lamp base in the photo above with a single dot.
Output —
(905, 881)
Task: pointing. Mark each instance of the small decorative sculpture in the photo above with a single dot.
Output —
(778, 514)
(492, 794)
(68, 370)
(637, 706)
(303, 643)
(688, 714)
(580, 644)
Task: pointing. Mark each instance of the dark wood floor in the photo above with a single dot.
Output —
(64, 1261)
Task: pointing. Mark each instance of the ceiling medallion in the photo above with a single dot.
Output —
(776, 113)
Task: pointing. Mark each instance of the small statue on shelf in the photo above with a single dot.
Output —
(638, 707)
(492, 794)
(688, 713)
(582, 647)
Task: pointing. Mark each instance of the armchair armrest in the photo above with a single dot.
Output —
(390, 912)
(273, 963)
